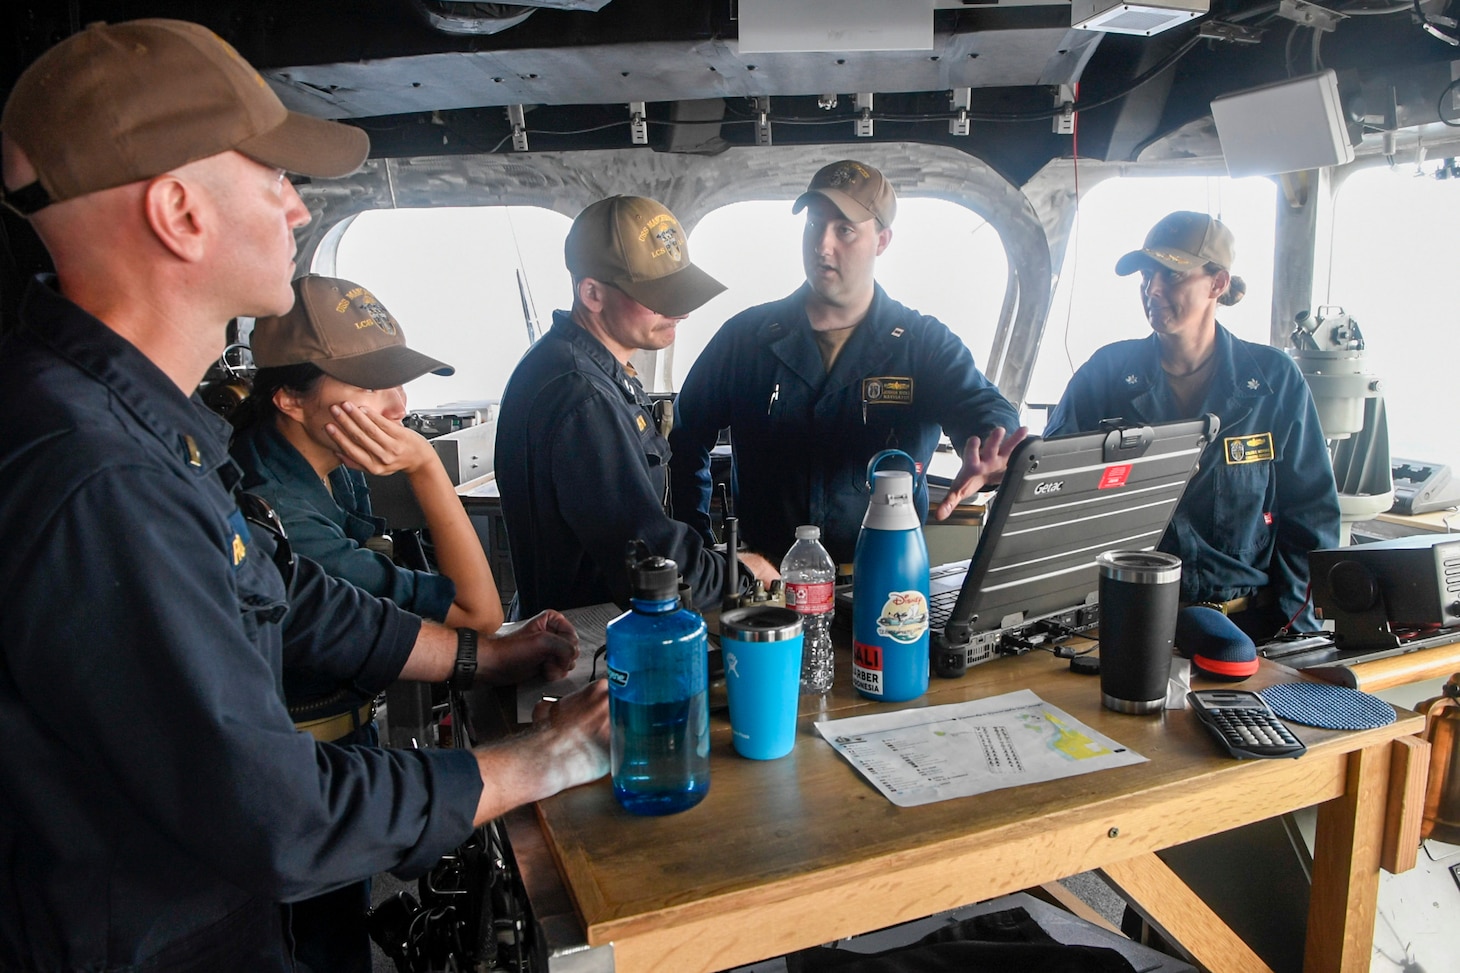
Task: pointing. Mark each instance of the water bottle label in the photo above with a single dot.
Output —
(811, 599)
(867, 668)
(904, 616)
(617, 677)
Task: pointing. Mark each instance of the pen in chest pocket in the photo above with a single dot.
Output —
(775, 394)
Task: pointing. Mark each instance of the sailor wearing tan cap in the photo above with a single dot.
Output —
(581, 465)
(814, 385)
(1263, 495)
(326, 408)
(156, 802)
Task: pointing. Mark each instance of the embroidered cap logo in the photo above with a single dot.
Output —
(377, 313)
(668, 238)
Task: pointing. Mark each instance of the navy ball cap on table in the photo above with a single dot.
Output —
(1214, 644)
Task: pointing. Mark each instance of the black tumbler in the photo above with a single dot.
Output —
(1138, 605)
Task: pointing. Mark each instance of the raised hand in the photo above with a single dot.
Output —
(984, 462)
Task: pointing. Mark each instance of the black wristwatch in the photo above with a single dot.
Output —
(465, 672)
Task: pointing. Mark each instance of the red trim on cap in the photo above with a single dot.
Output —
(1221, 667)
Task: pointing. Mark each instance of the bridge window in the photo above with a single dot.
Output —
(450, 277)
(1093, 307)
(944, 260)
(1393, 255)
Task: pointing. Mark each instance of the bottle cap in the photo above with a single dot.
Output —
(891, 505)
(655, 579)
(810, 532)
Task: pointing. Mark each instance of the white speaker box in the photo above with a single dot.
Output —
(1283, 127)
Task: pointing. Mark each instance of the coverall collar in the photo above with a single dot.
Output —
(183, 424)
(276, 458)
(791, 339)
(565, 328)
(1236, 381)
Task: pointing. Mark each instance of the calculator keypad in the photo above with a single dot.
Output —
(1244, 724)
(1254, 730)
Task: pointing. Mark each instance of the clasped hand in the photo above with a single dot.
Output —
(545, 644)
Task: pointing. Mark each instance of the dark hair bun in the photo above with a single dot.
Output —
(1236, 290)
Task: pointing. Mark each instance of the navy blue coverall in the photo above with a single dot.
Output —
(156, 802)
(802, 437)
(330, 527)
(583, 471)
(1263, 495)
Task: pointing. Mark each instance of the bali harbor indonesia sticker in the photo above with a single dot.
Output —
(904, 616)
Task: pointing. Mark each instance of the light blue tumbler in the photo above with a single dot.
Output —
(890, 589)
(762, 649)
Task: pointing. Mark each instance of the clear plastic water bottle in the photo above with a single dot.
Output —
(810, 580)
(658, 696)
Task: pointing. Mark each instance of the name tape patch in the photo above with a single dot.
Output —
(888, 390)
(1248, 449)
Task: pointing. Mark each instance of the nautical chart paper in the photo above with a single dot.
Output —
(918, 756)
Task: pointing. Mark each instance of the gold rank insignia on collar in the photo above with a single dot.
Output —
(195, 458)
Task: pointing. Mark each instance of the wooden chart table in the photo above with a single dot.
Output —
(792, 853)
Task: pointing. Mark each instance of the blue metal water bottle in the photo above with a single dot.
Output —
(890, 589)
(658, 696)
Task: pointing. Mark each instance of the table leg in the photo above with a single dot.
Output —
(1346, 855)
(1168, 904)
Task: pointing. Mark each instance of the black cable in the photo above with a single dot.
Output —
(1080, 106)
(1440, 106)
(1029, 116)
(1042, 114)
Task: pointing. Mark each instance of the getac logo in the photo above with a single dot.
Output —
(1053, 486)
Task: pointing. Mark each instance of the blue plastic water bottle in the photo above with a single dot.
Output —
(658, 696)
(890, 590)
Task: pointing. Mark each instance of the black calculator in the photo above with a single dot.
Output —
(1244, 723)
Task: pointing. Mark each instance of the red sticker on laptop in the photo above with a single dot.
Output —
(1115, 476)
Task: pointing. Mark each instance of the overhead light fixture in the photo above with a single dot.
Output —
(1142, 19)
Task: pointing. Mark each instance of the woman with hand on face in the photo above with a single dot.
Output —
(327, 404)
(326, 408)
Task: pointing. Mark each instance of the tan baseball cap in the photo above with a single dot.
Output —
(858, 191)
(1183, 241)
(637, 245)
(118, 103)
(340, 327)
